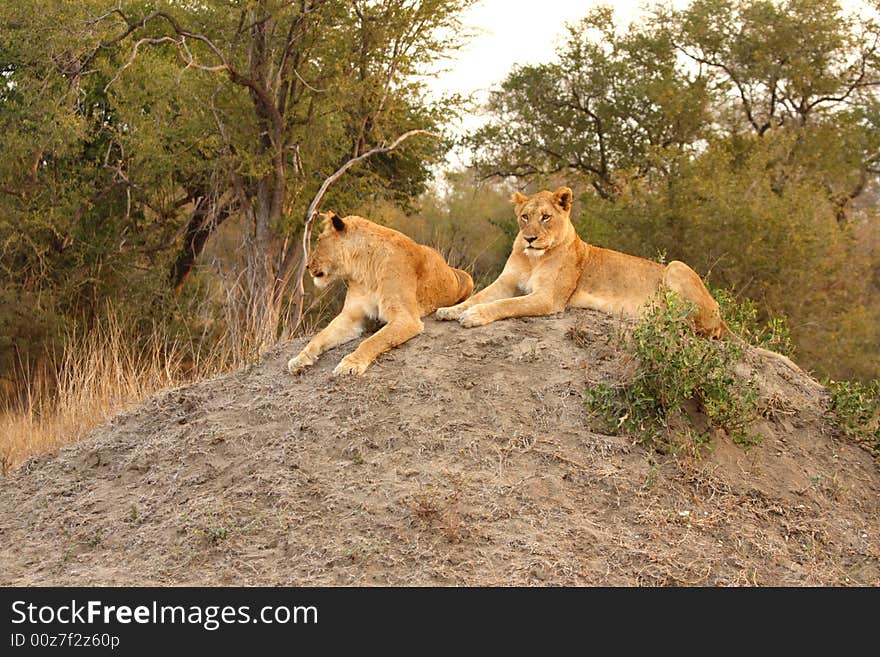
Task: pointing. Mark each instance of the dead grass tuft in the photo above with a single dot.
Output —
(98, 374)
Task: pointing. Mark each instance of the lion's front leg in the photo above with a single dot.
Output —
(395, 332)
(345, 327)
(504, 286)
(530, 305)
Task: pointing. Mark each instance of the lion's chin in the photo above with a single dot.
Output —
(533, 252)
(320, 283)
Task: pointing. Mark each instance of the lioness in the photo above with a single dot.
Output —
(389, 278)
(554, 269)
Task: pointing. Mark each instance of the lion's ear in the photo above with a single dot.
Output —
(562, 198)
(338, 223)
(518, 198)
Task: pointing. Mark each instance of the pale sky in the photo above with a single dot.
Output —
(512, 32)
(515, 32)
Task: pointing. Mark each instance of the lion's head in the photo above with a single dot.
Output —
(544, 219)
(328, 259)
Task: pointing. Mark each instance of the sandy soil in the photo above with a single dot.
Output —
(464, 457)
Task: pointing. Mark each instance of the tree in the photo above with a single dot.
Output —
(612, 104)
(782, 62)
(132, 132)
(309, 90)
(794, 64)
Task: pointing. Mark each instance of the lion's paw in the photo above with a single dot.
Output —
(449, 313)
(350, 365)
(476, 316)
(299, 363)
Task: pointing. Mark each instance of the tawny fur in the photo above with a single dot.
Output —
(557, 270)
(390, 278)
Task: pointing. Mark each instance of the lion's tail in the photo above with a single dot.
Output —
(726, 332)
(465, 284)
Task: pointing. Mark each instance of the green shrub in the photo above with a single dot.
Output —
(741, 316)
(675, 366)
(857, 409)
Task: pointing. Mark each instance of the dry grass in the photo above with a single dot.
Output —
(105, 370)
(99, 374)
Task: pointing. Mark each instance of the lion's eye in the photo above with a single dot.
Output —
(524, 217)
(545, 217)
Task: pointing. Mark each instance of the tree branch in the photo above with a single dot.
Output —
(184, 53)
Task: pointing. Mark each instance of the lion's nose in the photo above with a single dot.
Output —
(530, 239)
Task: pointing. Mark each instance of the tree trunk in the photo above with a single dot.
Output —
(204, 220)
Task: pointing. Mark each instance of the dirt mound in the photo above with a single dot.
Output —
(462, 457)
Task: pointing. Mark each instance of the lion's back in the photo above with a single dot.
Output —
(440, 284)
(405, 263)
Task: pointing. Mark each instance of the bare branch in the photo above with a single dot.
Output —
(186, 57)
(134, 52)
(307, 85)
(319, 195)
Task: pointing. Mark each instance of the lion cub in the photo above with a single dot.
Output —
(552, 268)
(389, 278)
